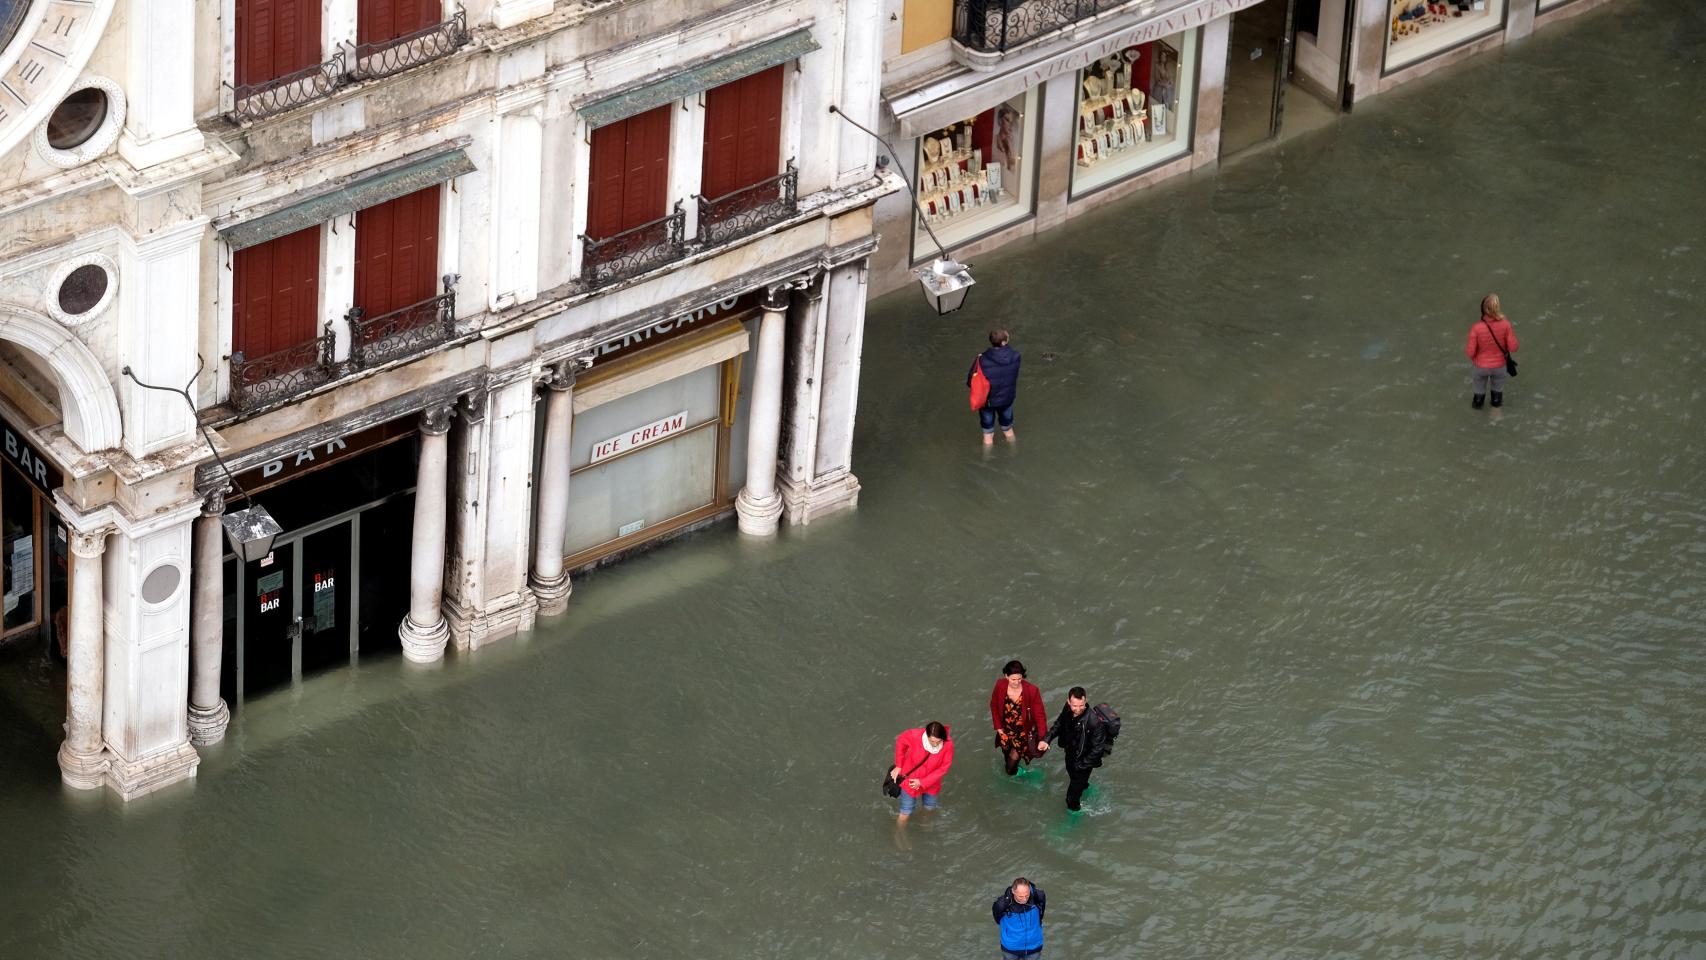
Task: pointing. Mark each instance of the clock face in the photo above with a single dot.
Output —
(43, 47)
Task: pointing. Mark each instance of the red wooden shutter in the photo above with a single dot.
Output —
(276, 37)
(396, 253)
(629, 177)
(377, 21)
(275, 294)
(743, 133)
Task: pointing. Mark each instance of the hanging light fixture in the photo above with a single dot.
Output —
(945, 280)
(250, 530)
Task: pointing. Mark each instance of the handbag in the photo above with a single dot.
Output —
(979, 384)
(1510, 362)
(891, 786)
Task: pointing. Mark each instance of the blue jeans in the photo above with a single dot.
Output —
(908, 801)
(988, 415)
(1007, 954)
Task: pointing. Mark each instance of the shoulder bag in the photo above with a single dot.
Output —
(891, 786)
(1510, 362)
(979, 384)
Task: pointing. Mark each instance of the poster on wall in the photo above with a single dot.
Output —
(1164, 85)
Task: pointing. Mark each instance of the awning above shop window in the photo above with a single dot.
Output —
(657, 91)
(347, 196)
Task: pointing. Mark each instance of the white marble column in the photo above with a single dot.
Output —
(818, 476)
(208, 714)
(159, 83)
(549, 580)
(759, 506)
(82, 758)
(424, 631)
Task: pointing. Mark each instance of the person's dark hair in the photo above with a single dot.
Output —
(936, 730)
(998, 338)
(1012, 667)
(1077, 693)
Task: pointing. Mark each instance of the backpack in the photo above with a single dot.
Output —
(1109, 720)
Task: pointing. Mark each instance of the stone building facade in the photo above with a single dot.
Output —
(1009, 117)
(468, 297)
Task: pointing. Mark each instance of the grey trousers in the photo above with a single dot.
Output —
(1482, 375)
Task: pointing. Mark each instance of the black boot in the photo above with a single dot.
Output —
(1476, 401)
(1498, 398)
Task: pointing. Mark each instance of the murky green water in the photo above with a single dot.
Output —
(1400, 679)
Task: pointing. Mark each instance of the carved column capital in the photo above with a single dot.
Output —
(775, 299)
(435, 420)
(213, 502)
(560, 375)
(471, 407)
(90, 544)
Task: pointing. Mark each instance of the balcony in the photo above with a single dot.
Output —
(368, 61)
(413, 331)
(748, 210)
(635, 251)
(387, 57)
(986, 31)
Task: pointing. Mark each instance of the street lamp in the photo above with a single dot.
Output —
(250, 530)
(945, 280)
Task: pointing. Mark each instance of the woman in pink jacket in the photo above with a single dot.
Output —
(922, 757)
(1486, 337)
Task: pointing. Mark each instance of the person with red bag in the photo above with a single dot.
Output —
(998, 368)
(922, 757)
(1020, 717)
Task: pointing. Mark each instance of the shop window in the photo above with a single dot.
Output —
(743, 133)
(975, 176)
(629, 174)
(276, 38)
(275, 297)
(1135, 110)
(396, 253)
(19, 524)
(1421, 28)
(378, 21)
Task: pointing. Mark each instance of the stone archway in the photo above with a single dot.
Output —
(87, 404)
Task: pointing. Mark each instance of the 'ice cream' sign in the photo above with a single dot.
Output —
(639, 436)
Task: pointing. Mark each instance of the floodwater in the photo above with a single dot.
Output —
(1399, 678)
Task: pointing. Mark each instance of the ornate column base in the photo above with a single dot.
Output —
(473, 629)
(553, 595)
(133, 779)
(805, 502)
(423, 644)
(207, 724)
(82, 771)
(759, 518)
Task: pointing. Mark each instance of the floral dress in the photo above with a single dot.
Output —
(1012, 734)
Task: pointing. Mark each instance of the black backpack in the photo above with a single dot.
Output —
(1105, 717)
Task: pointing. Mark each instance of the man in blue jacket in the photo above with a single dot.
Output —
(1001, 369)
(1019, 914)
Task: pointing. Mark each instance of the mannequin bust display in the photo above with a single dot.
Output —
(932, 151)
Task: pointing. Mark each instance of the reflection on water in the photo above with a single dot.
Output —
(1399, 678)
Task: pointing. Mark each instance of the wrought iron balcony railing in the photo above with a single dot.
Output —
(401, 333)
(749, 209)
(283, 373)
(635, 251)
(253, 101)
(996, 26)
(386, 57)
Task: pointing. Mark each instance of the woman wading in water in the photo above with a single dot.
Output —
(1021, 720)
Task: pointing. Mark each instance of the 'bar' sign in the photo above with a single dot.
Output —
(639, 437)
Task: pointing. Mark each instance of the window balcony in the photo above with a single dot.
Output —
(413, 331)
(634, 251)
(256, 101)
(987, 31)
(387, 57)
(748, 210)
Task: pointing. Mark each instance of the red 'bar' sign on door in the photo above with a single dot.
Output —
(639, 436)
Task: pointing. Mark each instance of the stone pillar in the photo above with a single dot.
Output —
(550, 581)
(82, 758)
(161, 267)
(508, 13)
(159, 83)
(818, 476)
(424, 631)
(487, 596)
(861, 82)
(208, 714)
(759, 507)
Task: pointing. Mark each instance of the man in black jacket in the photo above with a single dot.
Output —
(1084, 742)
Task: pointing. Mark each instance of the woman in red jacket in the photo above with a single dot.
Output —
(922, 757)
(1486, 337)
(1021, 720)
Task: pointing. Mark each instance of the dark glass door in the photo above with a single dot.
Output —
(269, 621)
(326, 580)
(1256, 69)
(385, 532)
